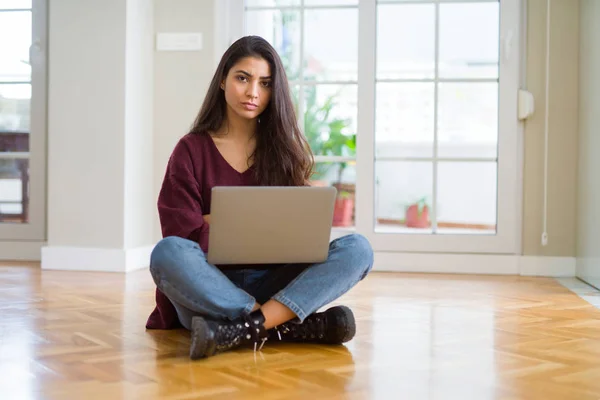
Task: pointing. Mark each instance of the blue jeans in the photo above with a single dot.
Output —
(195, 287)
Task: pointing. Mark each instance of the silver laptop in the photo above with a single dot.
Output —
(270, 225)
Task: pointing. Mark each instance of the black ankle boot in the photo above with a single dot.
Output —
(210, 337)
(334, 326)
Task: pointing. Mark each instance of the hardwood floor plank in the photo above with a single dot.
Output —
(72, 335)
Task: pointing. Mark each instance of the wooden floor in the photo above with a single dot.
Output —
(66, 335)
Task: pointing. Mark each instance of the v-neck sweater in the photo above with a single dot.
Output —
(196, 166)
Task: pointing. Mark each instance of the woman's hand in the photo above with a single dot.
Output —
(206, 218)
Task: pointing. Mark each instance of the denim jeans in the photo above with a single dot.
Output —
(195, 287)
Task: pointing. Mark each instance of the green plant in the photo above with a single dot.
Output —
(326, 134)
(343, 194)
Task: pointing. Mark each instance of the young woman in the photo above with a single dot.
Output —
(245, 134)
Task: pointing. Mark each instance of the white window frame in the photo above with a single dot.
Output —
(507, 240)
(35, 229)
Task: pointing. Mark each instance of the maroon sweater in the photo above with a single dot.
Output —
(194, 168)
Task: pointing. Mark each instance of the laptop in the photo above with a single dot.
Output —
(270, 224)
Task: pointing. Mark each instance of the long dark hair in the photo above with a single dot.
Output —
(283, 156)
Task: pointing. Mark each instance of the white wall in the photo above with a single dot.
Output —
(588, 229)
(563, 116)
(180, 80)
(86, 113)
(100, 135)
(139, 124)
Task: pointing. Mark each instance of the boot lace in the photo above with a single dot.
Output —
(313, 327)
(234, 334)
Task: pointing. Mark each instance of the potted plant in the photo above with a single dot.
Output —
(341, 144)
(327, 135)
(343, 212)
(417, 214)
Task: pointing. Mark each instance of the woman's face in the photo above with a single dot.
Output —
(247, 87)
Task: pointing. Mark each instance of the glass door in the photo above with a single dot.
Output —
(22, 119)
(322, 67)
(438, 142)
(411, 110)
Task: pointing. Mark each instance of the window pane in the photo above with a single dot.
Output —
(405, 41)
(330, 2)
(469, 40)
(15, 102)
(14, 66)
(14, 4)
(295, 89)
(271, 3)
(468, 119)
(14, 184)
(331, 52)
(403, 194)
(281, 28)
(404, 119)
(330, 119)
(343, 177)
(467, 197)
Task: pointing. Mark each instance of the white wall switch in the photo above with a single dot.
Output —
(526, 104)
(179, 41)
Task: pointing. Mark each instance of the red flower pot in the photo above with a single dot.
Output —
(342, 212)
(414, 219)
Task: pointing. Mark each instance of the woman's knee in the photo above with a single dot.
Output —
(167, 252)
(359, 253)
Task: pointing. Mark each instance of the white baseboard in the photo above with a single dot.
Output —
(138, 258)
(20, 250)
(95, 259)
(446, 263)
(548, 266)
(588, 270)
(120, 260)
(494, 264)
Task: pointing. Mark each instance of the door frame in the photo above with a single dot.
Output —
(35, 229)
(507, 240)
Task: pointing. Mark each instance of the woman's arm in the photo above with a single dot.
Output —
(179, 201)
